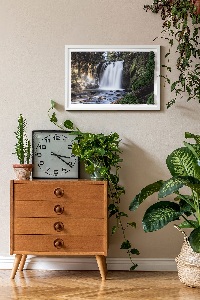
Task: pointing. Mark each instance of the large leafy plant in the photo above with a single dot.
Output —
(181, 29)
(101, 152)
(184, 166)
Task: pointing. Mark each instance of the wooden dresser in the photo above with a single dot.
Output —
(58, 217)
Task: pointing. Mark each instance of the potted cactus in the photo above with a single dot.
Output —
(23, 151)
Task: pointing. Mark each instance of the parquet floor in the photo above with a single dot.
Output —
(78, 285)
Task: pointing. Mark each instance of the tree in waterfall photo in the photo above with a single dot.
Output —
(112, 77)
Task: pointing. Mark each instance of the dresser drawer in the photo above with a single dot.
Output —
(73, 191)
(61, 226)
(46, 243)
(37, 205)
(53, 209)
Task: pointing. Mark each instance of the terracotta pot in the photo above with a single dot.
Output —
(197, 4)
(23, 171)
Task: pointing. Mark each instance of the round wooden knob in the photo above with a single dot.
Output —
(58, 243)
(58, 226)
(58, 209)
(59, 192)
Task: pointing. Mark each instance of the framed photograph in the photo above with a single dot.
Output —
(112, 77)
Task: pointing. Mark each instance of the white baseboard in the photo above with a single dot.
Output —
(89, 263)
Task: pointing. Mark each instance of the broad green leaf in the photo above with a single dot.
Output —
(145, 192)
(194, 149)
(68, 124)
(125, 245)
(189, 135)
(135, 251)
(190, 224)
(175, 183)
(194, 239)
(185, 207)
(160, 214)
(181, 162)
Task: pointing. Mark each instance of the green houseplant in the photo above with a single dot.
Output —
(22, 150)
(184, 166)
(100, 154)
(181, 19)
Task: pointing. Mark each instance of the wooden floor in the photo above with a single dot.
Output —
(77, 285)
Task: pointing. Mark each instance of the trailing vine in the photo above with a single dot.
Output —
(102, 152)
(181, 30)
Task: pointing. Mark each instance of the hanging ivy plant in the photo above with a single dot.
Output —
(181, 28)
(102, 152)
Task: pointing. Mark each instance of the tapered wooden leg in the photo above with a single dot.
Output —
(15, 265)
(22, 262)
(101, 261)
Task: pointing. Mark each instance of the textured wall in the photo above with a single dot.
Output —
(33, 35)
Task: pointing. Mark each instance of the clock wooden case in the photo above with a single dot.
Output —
(52, 155)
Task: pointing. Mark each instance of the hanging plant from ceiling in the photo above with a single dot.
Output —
(181, 28)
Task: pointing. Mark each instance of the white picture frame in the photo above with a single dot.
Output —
(103, 78)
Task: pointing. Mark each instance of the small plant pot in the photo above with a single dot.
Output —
(23, 171)
(197, 4)
(96, 175)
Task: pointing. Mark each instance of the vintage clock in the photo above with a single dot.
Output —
(52, 155)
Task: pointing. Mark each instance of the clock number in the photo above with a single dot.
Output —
(69, 147)
(70, 164)
(55, 172)
(42, 146)
(56, 138)
(38, 154)
(47, 139)
(41, 163)
(65, 170)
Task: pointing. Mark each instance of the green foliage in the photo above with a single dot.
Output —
(194, 239)
(150, 99)
(129, 98)
(159, 215)
(23, 145)
(147, 77)
(101, 153)
(183, 164)
(145, 192)
(138, 78)
(181, 29)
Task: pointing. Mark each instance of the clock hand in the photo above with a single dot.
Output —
(60, 157)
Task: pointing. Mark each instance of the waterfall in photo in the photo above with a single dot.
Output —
(111, 77)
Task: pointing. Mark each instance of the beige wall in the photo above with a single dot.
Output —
(32, 39)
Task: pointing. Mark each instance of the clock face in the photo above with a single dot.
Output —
(52, 155)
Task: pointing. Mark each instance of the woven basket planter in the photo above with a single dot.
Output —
(188, 265)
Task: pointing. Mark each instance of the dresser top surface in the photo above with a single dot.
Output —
(88, 181)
